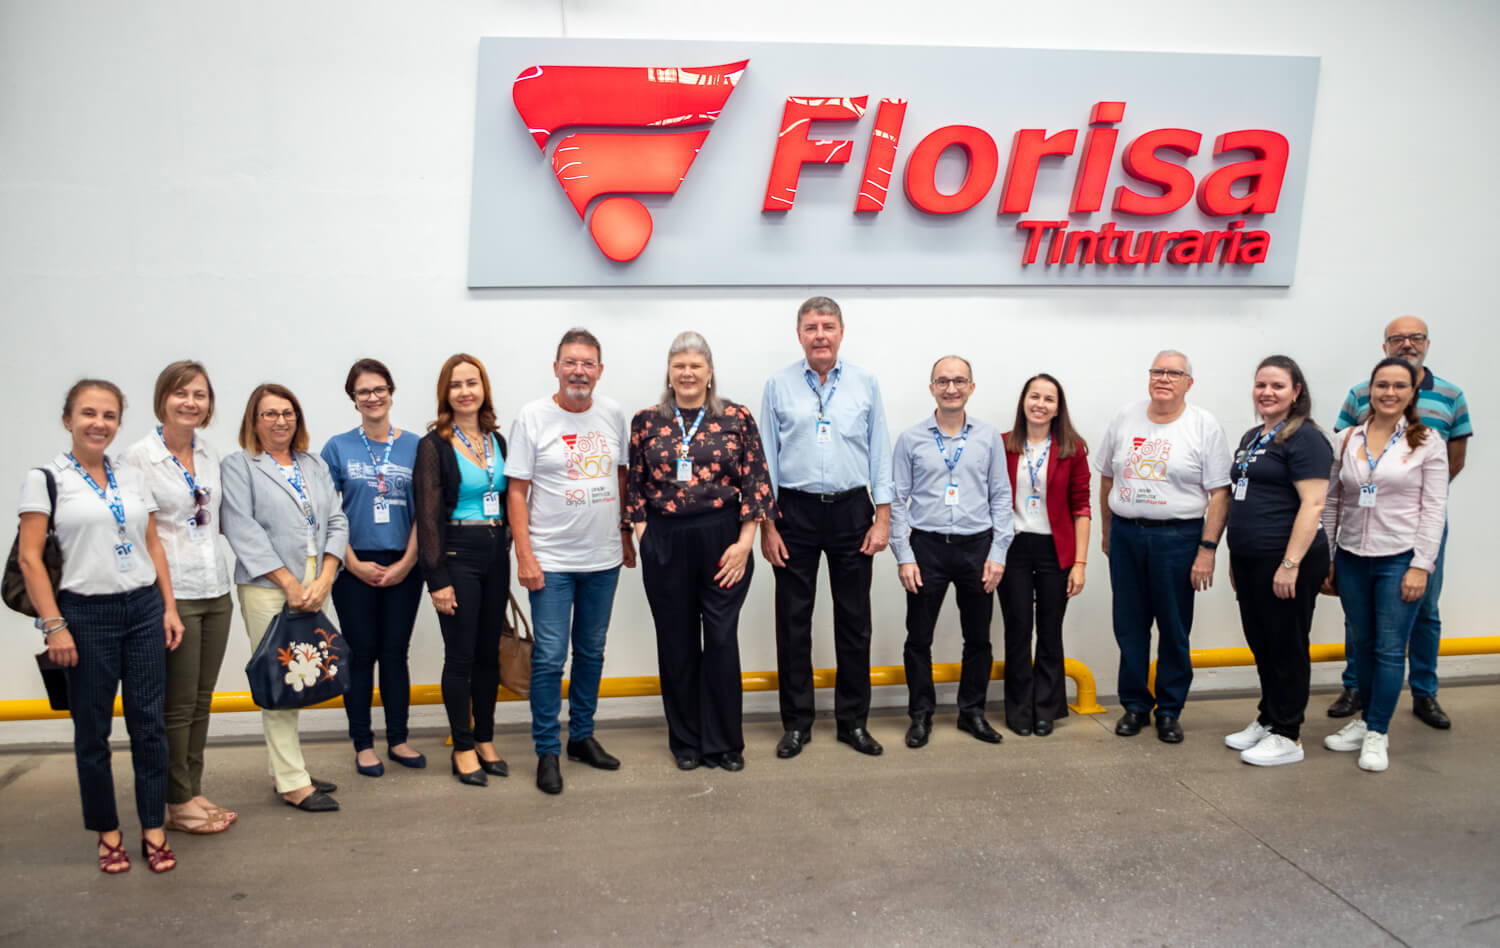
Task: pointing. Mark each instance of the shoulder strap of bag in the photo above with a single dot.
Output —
(51, 497)
(1338, 513)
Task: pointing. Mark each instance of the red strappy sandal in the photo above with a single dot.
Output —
(114, 860)
(157, 855)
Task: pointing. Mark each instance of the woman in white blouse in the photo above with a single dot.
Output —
(181, 473)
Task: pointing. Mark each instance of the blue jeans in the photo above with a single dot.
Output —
(576, 606)
(1378, 625)
(1426, 636)
(1150, 574)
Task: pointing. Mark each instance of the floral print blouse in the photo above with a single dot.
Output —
(729, 466)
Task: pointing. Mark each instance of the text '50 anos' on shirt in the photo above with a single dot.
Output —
(353, 469)
(572, 460)
(1411, 499)
(854, 449)
(921, 486)
(195, 554)
(1162, 472)
(87, 532)
(1440, 404)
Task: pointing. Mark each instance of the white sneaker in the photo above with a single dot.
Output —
(1350, 737)
(1272, 750)
(1249, 737)
(1373, 756)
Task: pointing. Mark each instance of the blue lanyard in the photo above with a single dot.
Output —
(687, 436)
(116, 505)
(963, 438)
(192, 484)
(1363, 436)
(1041, 462)
(380, 465)
(822, 402)
(296, 481)
(489, 459)
(1265, 439)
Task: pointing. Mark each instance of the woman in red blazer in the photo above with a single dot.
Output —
(1049, 480)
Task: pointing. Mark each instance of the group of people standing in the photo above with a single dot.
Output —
(144, 598)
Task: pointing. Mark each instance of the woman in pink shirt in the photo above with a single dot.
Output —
(1385, 514)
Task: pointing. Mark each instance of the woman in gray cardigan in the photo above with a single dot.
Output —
(282, 518)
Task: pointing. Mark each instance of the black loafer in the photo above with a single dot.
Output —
(1430, 712)
(315, 802)
(589, 751)
(1042, 728)
(973, 722)
(920, 730)
(495, 768)
(548, 776)
(687, 762)
(731, 761)
(1168, 731)
(860, 739)
(324, 785)
(1131, 722)
(1346, 705)
(791, 743)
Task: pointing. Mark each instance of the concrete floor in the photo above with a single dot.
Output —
(1078, 838)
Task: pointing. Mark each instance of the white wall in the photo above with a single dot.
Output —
(282, 187)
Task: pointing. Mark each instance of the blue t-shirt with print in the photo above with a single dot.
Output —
(353, 470)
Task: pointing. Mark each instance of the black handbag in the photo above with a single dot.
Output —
(13, 588)
(301, 661)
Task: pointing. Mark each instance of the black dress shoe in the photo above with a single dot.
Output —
(324, 785)
(1019, 730)
(731, 761)
(495, 768)
(973, 722)
(1042, 728)
(791, 743)
(1430, 712)
(590, 752)
(474, 778)
(687, 762)
(315, 802)
(920, 730)
(1346, 704)
(860, 739)
(548, 776)
(1131, 722)
(1168, 731)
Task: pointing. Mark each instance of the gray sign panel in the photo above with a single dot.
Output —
(526, 232)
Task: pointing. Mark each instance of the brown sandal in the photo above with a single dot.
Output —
(157, 855)
(114, 860)
(213, 820)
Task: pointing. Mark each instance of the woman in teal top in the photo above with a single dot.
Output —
(463, 545)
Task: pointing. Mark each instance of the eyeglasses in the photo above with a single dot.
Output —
(951, 383)
(1399, 338)
(379, 391)
(1175, 375)
(587, 365)
(286, 414)
(200, 515)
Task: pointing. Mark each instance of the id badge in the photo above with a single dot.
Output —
(382, 509)
(825, 431)
(124, 556)
(1033, 503)
(1240, 486)
(491, 503)
(950, 495)
(1367, 494)
(197, 533)
(684, 470)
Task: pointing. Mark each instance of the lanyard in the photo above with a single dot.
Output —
(192, 484)
(963, 439)
(1265, 439)
(687, 436)
(1370, 458)
(295, 479)
(116, 505)
(489, 459)
(1033, 470)
(380, 465)
(822, 402)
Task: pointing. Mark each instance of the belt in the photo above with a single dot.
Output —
(825, 498)
(954, 537)
(486, 522)
(1140, 522)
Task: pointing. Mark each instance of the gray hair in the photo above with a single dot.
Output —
(1179, 354)
(819, 304)
(945, 358)
(690, 341)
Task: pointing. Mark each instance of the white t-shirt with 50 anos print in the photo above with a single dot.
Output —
(1163, 472)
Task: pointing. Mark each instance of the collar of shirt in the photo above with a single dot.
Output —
(808, 372)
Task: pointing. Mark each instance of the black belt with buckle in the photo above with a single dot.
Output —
(825, 498)
(954, 537)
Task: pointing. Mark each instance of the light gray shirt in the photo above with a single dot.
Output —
(922, 480)
(263, 520)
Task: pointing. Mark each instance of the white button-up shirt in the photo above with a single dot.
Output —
(198, 568)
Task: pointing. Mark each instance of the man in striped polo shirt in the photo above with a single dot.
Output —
(1442, 407)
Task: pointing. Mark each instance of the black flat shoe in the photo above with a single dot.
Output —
(1430, 712)
(374, 770)
(416, 763)
(687, 762)
(1131, 722)
(474, 778)
(1168, 731)
(791, 743)
(920, 730)
(315, 802)
(1020, 730)
(860, 739)
(589, 751)
(1042, 728)
(548, 776)
(973, 722)
(1346, 704)
(324, 785)
(731, 761)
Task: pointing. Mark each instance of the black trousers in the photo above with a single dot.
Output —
(1033, 585)
(1277, 632)
(812, 528)
(377, 622)
(943, 561)
(697, 629)
(479, 565)
(121, 642)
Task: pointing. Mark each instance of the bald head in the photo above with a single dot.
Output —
(1406, 338)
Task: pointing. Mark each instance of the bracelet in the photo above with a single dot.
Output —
(1208, 545)
(48, 633)
(1080, 562)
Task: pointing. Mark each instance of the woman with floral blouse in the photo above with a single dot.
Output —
(698, 485)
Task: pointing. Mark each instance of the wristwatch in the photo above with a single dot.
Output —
(1289, 563)
(1208, 545)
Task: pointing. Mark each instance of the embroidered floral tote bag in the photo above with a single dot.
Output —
(302, 660)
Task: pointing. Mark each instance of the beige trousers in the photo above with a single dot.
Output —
(259, 605)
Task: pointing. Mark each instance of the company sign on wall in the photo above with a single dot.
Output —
(620, 163)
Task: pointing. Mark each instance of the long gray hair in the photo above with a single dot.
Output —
(691, 341)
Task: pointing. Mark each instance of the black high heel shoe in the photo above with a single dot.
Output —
(474, 778)
(495, 768)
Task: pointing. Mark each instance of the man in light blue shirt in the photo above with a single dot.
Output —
(953, 492)
(823, 427)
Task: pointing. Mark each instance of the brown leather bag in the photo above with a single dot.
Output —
(515, 652)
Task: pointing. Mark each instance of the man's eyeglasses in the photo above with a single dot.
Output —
(286, 414)
(1175, 375)
(1399, 338)
(379, 391)
(951, 383)
(587, 365)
